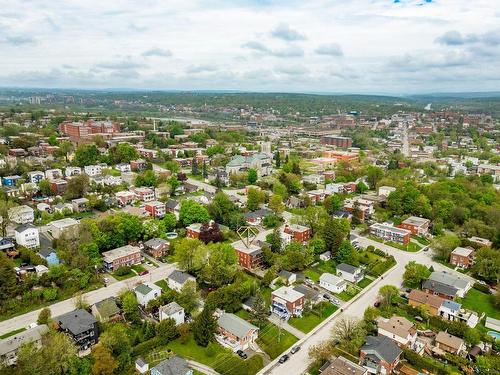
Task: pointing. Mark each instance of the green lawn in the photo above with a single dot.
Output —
(12, 333)
(270, 339)
(365, 282)
(311, 319)
(313, 275)
(411, 247)
(123, 277)
(193, 351)
(163, 284)
(321, 267)
(138, 268)
(480, 302)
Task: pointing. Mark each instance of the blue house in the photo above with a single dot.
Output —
(49, 254)
(10, 180)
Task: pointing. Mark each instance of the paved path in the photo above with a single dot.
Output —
(287, 327)
(92, 297)
(202, 368)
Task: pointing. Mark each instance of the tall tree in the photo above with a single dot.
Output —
(254, 198)
(374, 175)
(349, 333)
(86, 155)
(192, 212)
(44, 316)
(335, 231)
(189, 297)
(387, 294)
(414, 274)
(204, 327)
(276, 204)
(131, 307)
(104, 363)
(345, 252)
(194, 167)
(8, 279)
(252, 176)
(277, 158)
(190, 254)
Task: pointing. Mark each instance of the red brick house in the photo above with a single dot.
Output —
(144, 194)
(287, 302)
(235, 333)
(125, 197)
(58, 187)
(248, 256)
(463, 257)
(298, 233)
(138, 165)
(156, 209)
(416, 225)
(156, 247)
(123, 256)
(193, 230)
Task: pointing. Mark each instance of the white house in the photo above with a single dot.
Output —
(384, 191)
(451, 310)
(123, 167)
(53, 174)
(172, 311)
(27, 235)
(93, 170)
(462, 284)
(22, 214)
(177, 279)
(72, 171)
(350, 273)
(146, 292)
(36, 176)
(398, 329)
(332, 283)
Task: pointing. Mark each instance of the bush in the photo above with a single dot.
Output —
(424, 363)
(123, 270)
(482, 288)
(146, 346)
(50, 294)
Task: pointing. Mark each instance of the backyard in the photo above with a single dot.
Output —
(311, 319)
(480, 302)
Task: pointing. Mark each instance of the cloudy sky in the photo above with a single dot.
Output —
(348, 46)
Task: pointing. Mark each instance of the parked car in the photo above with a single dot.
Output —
(295, 349)
(242, 354)
(284, 358)
(326, 296)
(142, 273)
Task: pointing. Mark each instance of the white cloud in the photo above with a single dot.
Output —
(362, 46)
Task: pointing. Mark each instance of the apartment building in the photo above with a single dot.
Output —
(127, 255)
(390, 233)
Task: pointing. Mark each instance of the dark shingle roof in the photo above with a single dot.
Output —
(346, 268)
(173, 366)
(77, 321)
(179, 276)
(45, 252)
(440, 288)
(381, 347)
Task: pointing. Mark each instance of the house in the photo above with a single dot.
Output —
(58, 187)
(106, 310)
(390, 233)
(127, 255)
(342, 366)
(450, 343)
(287, 302)
(172, 311)
(43, 207)
(156, 247)
(332, 283)
(439, 289)
(399, 329)
(492, 323)
(41, 269)
(249, 255)
(327, 255)
(7, 244)
(80, 204)
(310, 294)
(314, 179)
(190, 188)
(384, 191)
(462, 284)
(482, 242)
(193, 230)
(27, 235)
(123, 167)
(125, 197)
(141, 366)
(418, 298)
(146, 292)
(235, 333)
(66, 227)
(172, 366)
(72, 171)
(317, 195)
(379, 355)
(361, 208)
(144, 194)
(21, 214)
(81, 326)
(50, 256)
(451, 310)
(350, 273)
(416, 225)
(138, 165)
(10, 180)
(256, 217)
(36, 176)
(295, 232)
(53, 174)
(177, 279)
(462, 257)
(261, 162)
(288, 277)
(155, 208)
(63, 208)
(93, 170)
(11, 345)
(172, 206)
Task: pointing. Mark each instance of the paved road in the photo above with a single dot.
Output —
(298, 363)
(91, 297)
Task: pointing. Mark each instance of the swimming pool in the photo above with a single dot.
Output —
(494, 334)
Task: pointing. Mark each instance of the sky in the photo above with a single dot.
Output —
(348, 46)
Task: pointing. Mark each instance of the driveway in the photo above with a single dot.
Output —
(287, 327)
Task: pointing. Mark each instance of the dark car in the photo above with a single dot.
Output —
(326, 296)
(295, 349)
(284, 358)
(242, 354)
(142, 273)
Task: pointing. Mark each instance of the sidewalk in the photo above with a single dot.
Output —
(287, 327)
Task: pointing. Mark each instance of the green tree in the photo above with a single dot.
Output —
(147, 178)
(280, 189)
(252, 176)
(5, 206)
(294, 257)
(259, 310)
(276, 204)
(194, 167)
(174, 183)
(221, 266)
(335, 231)
(117, 340)
(8, 278)
(274, 240)
(414, 274)
(374, 175)
(166, 330)
(78, 186)
(192, 212)
(254, 198)
(104, 363)
(345, 252)
(44, 316)
(277, 159)
(44, 187)
(387, 294)
(333, 203)
(487, 264)
(361, 187)
(123, 153)
(169, 221)
(131, 307)
(86, 155)
(204, 327)
(349, 333)
(65, 147)
(189, 297)
(444, 245)
(190, 253)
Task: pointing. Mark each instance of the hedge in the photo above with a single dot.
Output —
(146, 346)
(482, 288)
(423, 363)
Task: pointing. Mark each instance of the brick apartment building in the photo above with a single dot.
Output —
(298, 233)
(390, 233)
(155, 208)
(248, 256)
(338, 141)
(122, 256)
(78, 130)
(462, 257)
(341, 155)
(416, 225)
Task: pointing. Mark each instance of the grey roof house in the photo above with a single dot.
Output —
(172, 366)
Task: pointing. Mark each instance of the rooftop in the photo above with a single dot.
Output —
(111, 255)
(235, 325)
(287, 293)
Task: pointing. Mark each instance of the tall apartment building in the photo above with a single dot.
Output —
(334, 140)
(77, 130)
